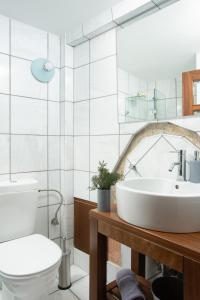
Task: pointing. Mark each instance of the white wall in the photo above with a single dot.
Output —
(30, 124)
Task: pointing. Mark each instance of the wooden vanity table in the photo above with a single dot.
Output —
(178, 251)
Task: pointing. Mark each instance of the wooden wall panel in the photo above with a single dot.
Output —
(82, 224)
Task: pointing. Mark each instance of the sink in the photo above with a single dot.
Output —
(159, 204)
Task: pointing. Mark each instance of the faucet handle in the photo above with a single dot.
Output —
(175, 151)
(197, 155)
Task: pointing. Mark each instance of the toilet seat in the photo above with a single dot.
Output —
(28, 256)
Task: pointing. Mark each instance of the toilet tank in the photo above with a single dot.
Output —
(18, 207)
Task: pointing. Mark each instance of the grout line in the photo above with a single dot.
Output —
(60, 124)
(48, 215)
(74, 294)
(117, 85)
(94, 61)
(95, 98)
(19, 57)
(30, 134)
(10, 112)
(89, 141)
(29, 97)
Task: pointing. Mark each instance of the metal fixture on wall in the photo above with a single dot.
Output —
(55, 221)
(43, 70)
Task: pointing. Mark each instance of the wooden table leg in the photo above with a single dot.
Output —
(138, 263)
(98, 260)
(191, 280)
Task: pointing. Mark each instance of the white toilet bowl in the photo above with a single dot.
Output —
(28, 267)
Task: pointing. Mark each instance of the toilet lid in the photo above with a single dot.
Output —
(28, 255)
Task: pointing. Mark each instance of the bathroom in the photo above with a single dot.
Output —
(82, 82)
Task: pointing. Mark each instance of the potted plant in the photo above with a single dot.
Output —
(102, 183)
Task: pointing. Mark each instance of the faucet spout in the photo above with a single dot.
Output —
(173, 165)
(181, 163)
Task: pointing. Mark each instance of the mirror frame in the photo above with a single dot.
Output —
(188, 78)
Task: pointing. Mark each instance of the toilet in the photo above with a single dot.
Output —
(29, 262)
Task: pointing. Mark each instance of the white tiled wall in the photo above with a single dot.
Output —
(96, 128)
(30, 118)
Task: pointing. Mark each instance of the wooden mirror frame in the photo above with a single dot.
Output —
(188, 78)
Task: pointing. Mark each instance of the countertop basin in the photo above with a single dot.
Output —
(159, 204)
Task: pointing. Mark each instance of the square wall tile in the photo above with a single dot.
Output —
(81, 118)
(4, 34)
(188, 123)
(27, 41)
(28, 116)
(103, 77)
(81, 259)
(53, 118)
(67, 186)
(131, 128)
(104, 116)
(159, 154)
(28, 153)
(81, 153)
(4, 177)
(54, 230)
(4, 73)
(81, 184)
(67, 228)
(54, 49)
(124, 140)
(23, 82)
(69, 56)
(104, 148)
(67, 109)
(54, 183)
(42, 221)
(54, 87)
(4, 150)
(108, 40)
(123, 81)
(4, 114)
(81, 83)
(81, 54)
(53, 152)
(69, 84)
(41, 178)
(67, 152)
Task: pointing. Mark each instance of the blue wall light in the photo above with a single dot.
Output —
(43, 70)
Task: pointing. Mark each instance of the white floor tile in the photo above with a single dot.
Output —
(81, 288)
(63, 295)
(77, 273)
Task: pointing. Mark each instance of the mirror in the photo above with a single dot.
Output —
(153, 53)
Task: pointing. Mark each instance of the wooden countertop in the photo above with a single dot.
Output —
(186, 244)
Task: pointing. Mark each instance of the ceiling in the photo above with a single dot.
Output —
(164, 44)
(57, 16)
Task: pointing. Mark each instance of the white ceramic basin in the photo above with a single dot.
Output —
(159, 204)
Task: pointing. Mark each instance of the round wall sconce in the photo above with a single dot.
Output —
(43, 70)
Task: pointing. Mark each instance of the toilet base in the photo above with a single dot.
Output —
(6, 295)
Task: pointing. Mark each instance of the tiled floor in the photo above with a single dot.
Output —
(79, 289)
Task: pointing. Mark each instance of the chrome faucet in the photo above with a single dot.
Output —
(181, 163)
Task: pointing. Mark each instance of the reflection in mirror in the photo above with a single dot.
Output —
(152, 55)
